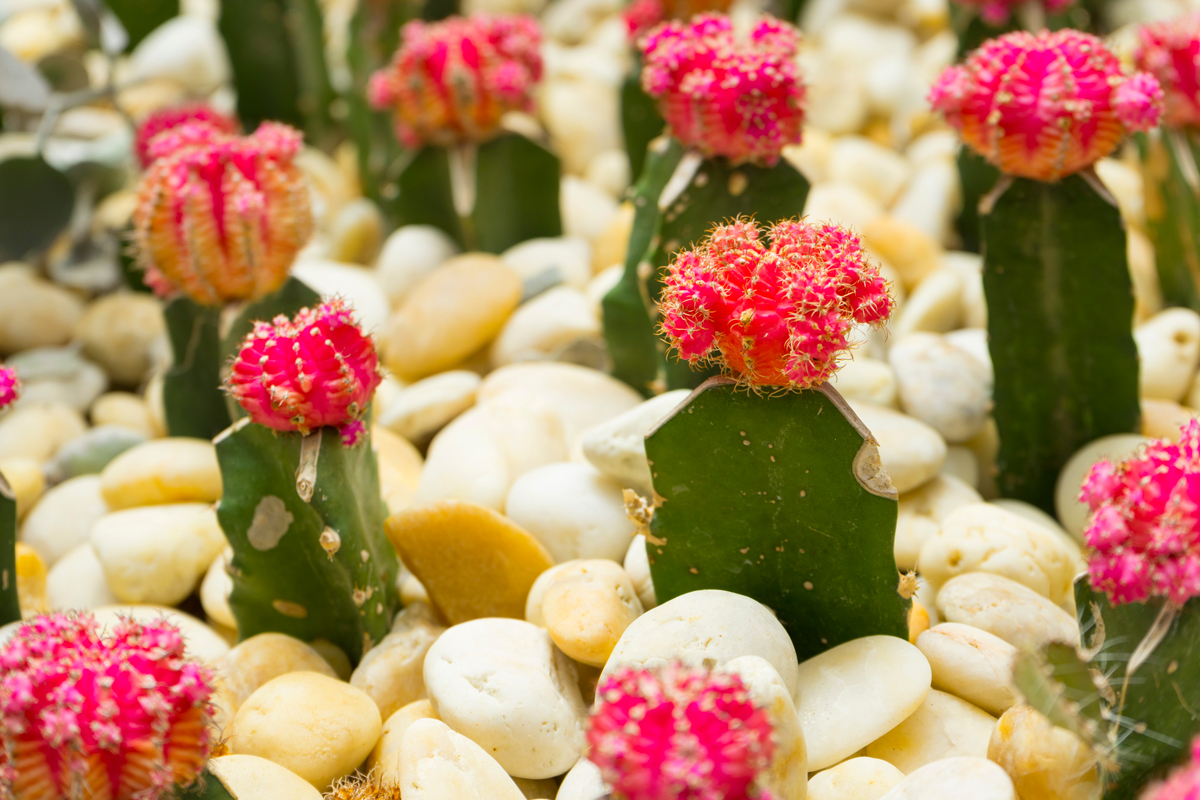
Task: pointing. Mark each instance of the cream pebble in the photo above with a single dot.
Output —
(972, 664)
(546, 326)
(1007, 609)
(911, 451)
(123, 409)
(637, 566)
(264, 657)
(436, 763)
(39, 430)
(119, 331)
(312, 724)
(583, 782)
(76, 582)
(943, 727)
(1044, 762)
(859, 778)
(503, 684)
(854, 693)
(215, 589)
(866, 380)
(573, 510)
(787, 774)
(551, 261)
(942, 385)
(1168, 347)
(955, 779)
(174, 470)
(425, 407)
(1071, 512)
(408, 255)
(618, 447)
(385, 758)
(587, 607)
(922, 512)
(254, 778)
(391, 671)
(934, 306)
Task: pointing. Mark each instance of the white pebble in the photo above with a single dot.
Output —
(1168, 347)
(408, 255)
(942, 385)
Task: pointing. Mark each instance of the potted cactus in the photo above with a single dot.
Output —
(731, 103)
(762, 473)
(450, 86)
(219, 221)
(302, 508)
(1066, 365)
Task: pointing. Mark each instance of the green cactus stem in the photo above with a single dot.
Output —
(10, 607)
(782, 498)
(140, 17)
(640, 121)
(1060, 316)
(678, 198)
(1172, 183)
(976, 177)
(305, 520)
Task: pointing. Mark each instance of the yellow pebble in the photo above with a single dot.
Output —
(1044, 762)
(587, 606)
(31, 581)
(123, 409)
(1162, 419)
(174, 470)
(399, 468)
(385, 758)
(918, 621)
(24, 476)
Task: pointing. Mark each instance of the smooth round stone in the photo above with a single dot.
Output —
(31, 581)
(200, 641)
(843, 203)
(866, 380)
(38, 431)
(356, 233)
(76, 582)
(1045, 762)
(565, 259)
(409, 254)
(708, 629)
(618, 447)
(264, 657)
(935, 305)
(637, 566)
(879, 171)
(425, 407)
(187, 50)
(911, 451)
(608, 249)
(972, 664)
(859, 778)
(1116, 448)
(452, 313)
(312, 724)
(787, 774)
(1163, 419)
(503, 684)
(25, 479)
(942, 385)
(354, 284)
(583, 782)
(914, 253)
(400, 466)
(1007, 609)
(174, 470)
(215, 588)
(34, 312)
(854, 693)
(123, 409)
(90, 453)
(436, 763)
(609, 169)
(385, 758)
(157, 554)
(254, 778)
(58, 375)
(1168, 352)
(390, 672)
(955, 779)
(472, 561)
(545, 326)
(922, 512)
(63, 519)
(573, 510)
(942, 727)
(537, 592)
(586, 608)
(984, 538)
(587, 210)
(118, 332)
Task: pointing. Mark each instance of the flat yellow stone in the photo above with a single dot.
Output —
(175, 470)
(450, 315)
(25, 477)
(472, 561)
(31, 581)
(399, 468)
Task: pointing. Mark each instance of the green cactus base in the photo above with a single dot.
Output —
(320, 569)
(1060, 315)
(10, 606)
(675, 207)
(781, 498)
(1172, 183)
(640, 120)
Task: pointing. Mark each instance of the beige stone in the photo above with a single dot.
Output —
(264, 657)
(914, 253)
(610, 246)
(637, 566)
(34, 312)
(1168, 352)
(1163, 419)
(31, 581)
(76, 582)
(786, 776)
(618, 447)
(944, 726)
(1007, 609)
(955, 779)
(385, 758)
(200, 641)
(911, 451)
(118, 332)
(254, 778)
(1070, 512)
(1044, 762)
(422, 409)
(39, 431)
(175, 470)
(215, 589)
(587, 607)
(125, 410)
(972, 664)
(400, 466)
(64, 517)
(436, 763)
(390, 672)
(922, 512)
(24, 477)
(573, 510)
(859, 778)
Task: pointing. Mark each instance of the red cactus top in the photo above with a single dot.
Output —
(452, 81)
(776, 315)
(199, 114)
(725, 95)
(1045, 105)
(1170, 51)
(679, 734)
(997, 12)
(1182, 784)
(304, 373)
(10, 386)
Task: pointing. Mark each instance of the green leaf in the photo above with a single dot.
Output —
(516, 193)
(10, 607)
(1060, 315)
(762, 495)
(1172, 191)
(192, 396)
(36, 202)
(140, 17)
(640, 120)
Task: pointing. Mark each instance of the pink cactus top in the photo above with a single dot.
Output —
(1143, 534)
(679, 734)
(220, 218)
(304, 373)
(198, 114)
(997, 12)
(1045, 105)
(724, 95)
(118, 715)
(1170, 51)
(776, 315)
(10, 386)
(1182, 784)
(452, 81)
(640, 16)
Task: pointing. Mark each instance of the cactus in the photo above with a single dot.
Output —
(1066, 367)
(302, 507)
(168, 119)
(35, 206)
(679, 733)
(640, 121)
(123, 714)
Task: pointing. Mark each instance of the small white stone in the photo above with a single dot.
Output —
(941, 143)
(836, 99)
(564, 259)
(200, 641)
(215, 589)
(587, 210)
(1168, 351)
(390, 672)
(866, 380)
(879, 171)
(34, 312)
(859, 778)
(408, 255)
(356, 232)
(1005, 608)
(545, 326)
(125, 410)
(975, 342)
(1071, 512)
(436, 763)
(935, 305)
(421, 409)
(504, 685)
(59, 375)
(854, 693)
(787, 774)
(63, 519)
(943, 727)
(955, 779)
(707, 628)
(931, 200)
(618, 447)
(254, 778)
(583, 782)
(120, 332)
(972, 664)
(843, 203)
(922, 512)
(76, 582)
(969, 267)
(262, 658)
(573, 510)
(533, 602)
(188, 50)
(637, 565)
(942, 385)
(961, 464)
(586, 608)
(173, 470)
(355, 284)
(1127, 187)
(812, 155)
(911, 451)
(582, 117)
(38, 431)
(609, 169)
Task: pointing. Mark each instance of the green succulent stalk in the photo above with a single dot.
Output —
(10, 607)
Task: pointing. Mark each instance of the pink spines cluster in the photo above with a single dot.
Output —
(725, 95)
(1170, 51)
(199, 115)
(451, 81)
(1143, 534)
(1182, 784)
(10, 386)
(679, 734)
(123, 715)
(220, 218)
(997, 12)
(304, 373)
(1045, 105)
(776, 315)
(640, 16)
